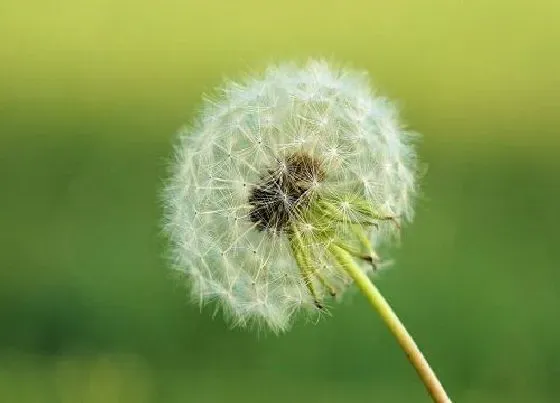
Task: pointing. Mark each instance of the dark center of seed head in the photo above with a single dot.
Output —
(284, 191)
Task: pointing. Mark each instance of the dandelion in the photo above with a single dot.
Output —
(283, 190)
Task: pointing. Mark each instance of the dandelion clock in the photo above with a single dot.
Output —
(281, 192)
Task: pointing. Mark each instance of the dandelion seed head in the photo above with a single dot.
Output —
(257, 156)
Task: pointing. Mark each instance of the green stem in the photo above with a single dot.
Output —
(415, 356)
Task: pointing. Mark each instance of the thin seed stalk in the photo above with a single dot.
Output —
(370, 291)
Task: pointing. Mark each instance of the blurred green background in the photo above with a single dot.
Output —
(91, 94)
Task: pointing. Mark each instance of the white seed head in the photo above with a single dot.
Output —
(250, 172)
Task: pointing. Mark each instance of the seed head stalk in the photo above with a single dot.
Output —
(376, 299)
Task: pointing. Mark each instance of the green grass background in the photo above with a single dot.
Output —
(91, 94)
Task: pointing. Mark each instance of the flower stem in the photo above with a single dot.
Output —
(415, 356)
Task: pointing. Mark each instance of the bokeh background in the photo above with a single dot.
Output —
(91, 95)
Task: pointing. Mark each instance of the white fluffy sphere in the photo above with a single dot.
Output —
(249, 133)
